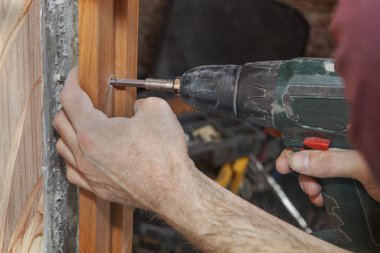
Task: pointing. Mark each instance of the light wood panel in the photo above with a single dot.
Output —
(20, 126)
(107, 46)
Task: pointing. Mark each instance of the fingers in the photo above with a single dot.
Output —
(137, 106)
(312, 188)
(324, 164)
(75, 177)
(65, 129)
(77, 103)
(312, 163)
(282, 163)
(309, 185)
(317, 201)
(152, 104)
(65, 152)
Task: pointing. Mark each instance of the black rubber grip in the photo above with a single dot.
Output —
(255, 96)
(354, 213)
(210, 88)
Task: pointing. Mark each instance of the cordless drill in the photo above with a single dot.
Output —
(303, 101)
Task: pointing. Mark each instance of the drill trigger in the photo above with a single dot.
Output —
(317, 143)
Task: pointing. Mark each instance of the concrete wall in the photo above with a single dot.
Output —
(59, 39)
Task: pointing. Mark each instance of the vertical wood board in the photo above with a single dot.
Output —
(107, 46)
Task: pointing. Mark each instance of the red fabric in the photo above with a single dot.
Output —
(356, 31)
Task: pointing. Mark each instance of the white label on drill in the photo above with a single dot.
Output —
(329, 66)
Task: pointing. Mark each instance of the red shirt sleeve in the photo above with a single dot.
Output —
(356, 31)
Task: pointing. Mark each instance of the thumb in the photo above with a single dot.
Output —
(332, 163)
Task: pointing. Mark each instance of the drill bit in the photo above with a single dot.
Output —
(149, 84)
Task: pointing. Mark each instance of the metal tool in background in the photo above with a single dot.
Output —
(213, 141)
(303, 100)
(256, 165)
(231, 175)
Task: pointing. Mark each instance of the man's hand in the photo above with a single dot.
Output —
(142, 161)
(131, 161)
(325, 164)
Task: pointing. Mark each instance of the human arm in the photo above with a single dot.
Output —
(142, 161)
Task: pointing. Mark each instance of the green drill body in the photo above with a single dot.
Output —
(310, 102)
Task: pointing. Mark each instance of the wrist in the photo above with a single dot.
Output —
(178, 187)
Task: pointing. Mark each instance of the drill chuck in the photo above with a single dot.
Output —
(211, 88)
(241, 91)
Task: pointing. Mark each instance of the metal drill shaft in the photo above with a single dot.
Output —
(127, 83)
(149, 84)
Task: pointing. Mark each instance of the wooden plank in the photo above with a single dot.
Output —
(107, 46)
(94, 215)
(126, 44)
(20, 124)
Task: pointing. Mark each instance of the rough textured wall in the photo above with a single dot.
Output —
(59, 39)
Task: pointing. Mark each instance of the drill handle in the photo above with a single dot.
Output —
(355, 215)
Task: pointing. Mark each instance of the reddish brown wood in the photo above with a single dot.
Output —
(126, 42)
(107, 46)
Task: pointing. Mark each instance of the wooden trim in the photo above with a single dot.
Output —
(107, 46)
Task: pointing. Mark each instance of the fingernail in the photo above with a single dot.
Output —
(299, 161)
(289, 153)
(302, 187)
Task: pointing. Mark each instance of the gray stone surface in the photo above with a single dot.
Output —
(60, 53)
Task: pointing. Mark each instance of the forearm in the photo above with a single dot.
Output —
(215, 220)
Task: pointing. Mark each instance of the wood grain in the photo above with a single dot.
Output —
(107, 46)
(126, 44)
(94, 215)
(28, 235)
(20, 124)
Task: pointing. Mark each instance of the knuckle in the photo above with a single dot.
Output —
(313, 163)
(281, 165)
(63, 96)
(155, 102)
(57, 119)
(84, 167)
(86, 140)
(55, 122)
(322, 162)
(70, 175)
(315, 160)
(138, 102)
(58, 145)
(102, 195)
